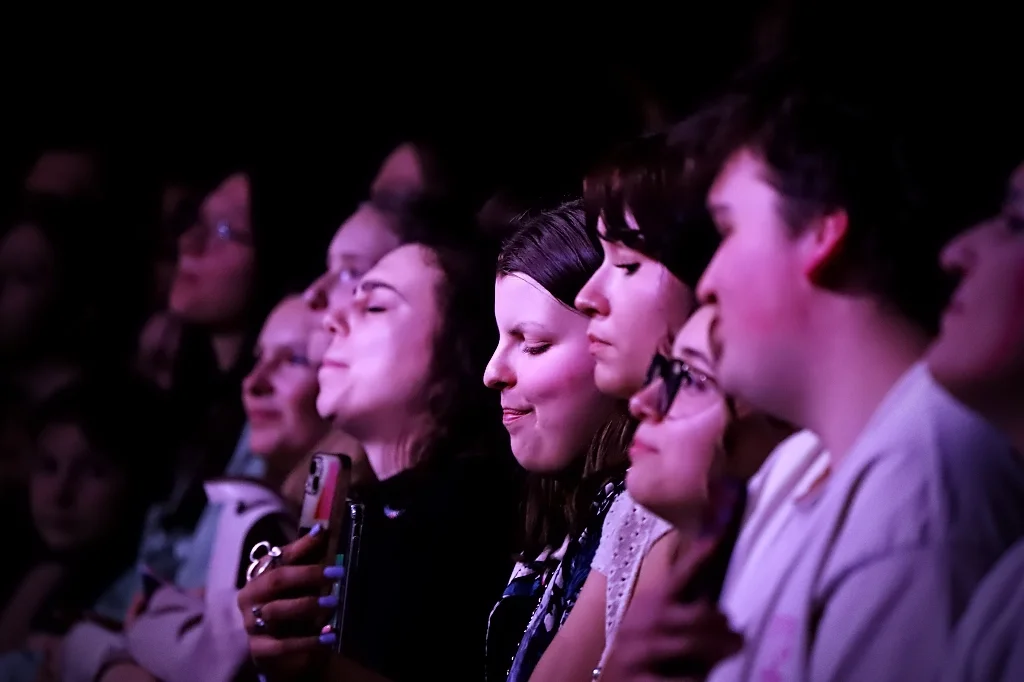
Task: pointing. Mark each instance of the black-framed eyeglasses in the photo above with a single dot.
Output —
(675, 374)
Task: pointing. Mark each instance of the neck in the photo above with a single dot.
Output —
(337, 441)
(1008, 416)
(388, 457)
(685, 519)
(391, 452)
(226, 348)
(864, 354)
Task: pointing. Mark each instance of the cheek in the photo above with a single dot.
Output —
(560, 381)
(690, 444)
(298, 393)
(1010, 344)
(99, 498)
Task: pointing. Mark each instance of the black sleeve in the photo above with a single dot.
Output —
(431, 620)
(277, 529)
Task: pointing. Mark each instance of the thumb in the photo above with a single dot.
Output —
(303, 548)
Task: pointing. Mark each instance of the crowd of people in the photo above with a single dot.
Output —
(747, 406)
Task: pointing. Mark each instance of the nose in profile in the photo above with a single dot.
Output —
(591, 300)
(257, 382)
(498, 374)
(645, 405)
(316, 294)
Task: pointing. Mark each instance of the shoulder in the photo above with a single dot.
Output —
(932, 471)
(628, 532)
(989, 643)
(929, 475)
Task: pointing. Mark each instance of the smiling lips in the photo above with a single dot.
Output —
(640, 448)
(596, 343)
(511, 415)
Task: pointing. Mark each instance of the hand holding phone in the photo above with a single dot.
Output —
(326, 504)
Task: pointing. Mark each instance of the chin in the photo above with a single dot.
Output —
(537, 463)
(60, 542)
(611, 382)
(642, 485)
(325, 405)
(262, 446)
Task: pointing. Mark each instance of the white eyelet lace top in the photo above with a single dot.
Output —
(629, 532)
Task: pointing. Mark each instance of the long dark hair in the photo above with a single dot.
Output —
(553, 248)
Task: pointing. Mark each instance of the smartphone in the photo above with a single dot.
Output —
(350, 541)
(325, 502)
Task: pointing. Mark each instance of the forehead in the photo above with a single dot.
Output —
(411, 269)
(694, 334)
(741, 182)
(290, 323)
(24, 241)
(401, 169)
(63, 438)
(365, 233)
(520, 298)
(230, 195)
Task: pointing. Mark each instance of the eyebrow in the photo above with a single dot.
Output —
(369, 285)
(346, 258)
(694, 354)
(528, 328)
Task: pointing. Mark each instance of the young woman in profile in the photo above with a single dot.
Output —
(979, 358)
(635, 300)
(566, 434)
(402, 376)
(180, 631)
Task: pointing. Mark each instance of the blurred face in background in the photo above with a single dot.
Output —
(28, 285)
(216, 265)
(77, 493)
(403, 171)
(359, 243)
(979, 355)
(63, 173)
(279, 394)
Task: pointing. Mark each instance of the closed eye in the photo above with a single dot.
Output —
(628, 268)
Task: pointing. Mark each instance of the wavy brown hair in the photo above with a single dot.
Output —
(465, 417)
(553, 248)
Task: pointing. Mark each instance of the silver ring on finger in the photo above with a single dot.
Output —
(264, 557)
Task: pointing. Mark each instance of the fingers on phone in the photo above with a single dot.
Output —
(271, 648)
(286, 581)
(302, 548)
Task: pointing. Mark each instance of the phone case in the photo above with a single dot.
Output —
(326, 503)
(326, 492)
